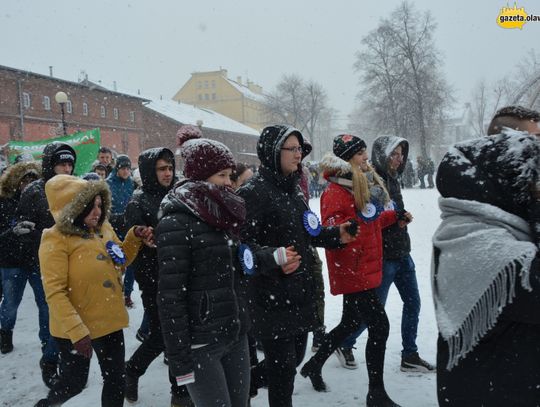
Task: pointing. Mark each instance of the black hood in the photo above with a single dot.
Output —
(147, 169)
(381, 150)
(270, 142)
(497, 170)
(47, 167)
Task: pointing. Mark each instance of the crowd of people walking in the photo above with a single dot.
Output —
(226, 262)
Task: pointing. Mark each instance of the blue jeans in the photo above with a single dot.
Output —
(14, 282)
(402, 273)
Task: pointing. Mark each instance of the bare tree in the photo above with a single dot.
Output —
(403, 90)
(299, 103)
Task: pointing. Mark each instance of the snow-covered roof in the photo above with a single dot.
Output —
(248, 93)
(188, 114)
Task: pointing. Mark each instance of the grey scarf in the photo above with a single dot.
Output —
(481, 247)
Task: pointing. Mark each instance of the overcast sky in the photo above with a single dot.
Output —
(155, 45)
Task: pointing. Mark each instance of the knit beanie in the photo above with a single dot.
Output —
(63, 156)
(202, 157)
(347, 145)
(122, 161)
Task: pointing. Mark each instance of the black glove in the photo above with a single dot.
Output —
(400, 214)
(352, 229)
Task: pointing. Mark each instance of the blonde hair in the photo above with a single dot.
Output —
(361, 186)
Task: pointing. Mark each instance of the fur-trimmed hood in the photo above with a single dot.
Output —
(12, 177)
(68, 196)
(334, 166)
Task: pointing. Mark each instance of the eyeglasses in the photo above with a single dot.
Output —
(293, 150)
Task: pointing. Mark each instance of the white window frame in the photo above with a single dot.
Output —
(85, 109)
(69, 107)
(115, 113)
(103, 112)
(27, 102)
(132, 116)
(46, 103)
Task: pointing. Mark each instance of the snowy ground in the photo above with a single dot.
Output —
(21, 385)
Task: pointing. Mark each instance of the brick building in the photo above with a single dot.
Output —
(28, 110)
(129, 123)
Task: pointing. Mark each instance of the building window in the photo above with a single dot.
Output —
(103, 112)
(213, 84)
(199, 85)
(200, 96)
(213, 96)
(69, 107)
(85, 109)
(26, 100)
(206, 96)
(206, 84)
(115, 113)
(132, 116)
(46, 103)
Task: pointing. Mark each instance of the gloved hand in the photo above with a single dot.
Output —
(23, 227)
(84, 347)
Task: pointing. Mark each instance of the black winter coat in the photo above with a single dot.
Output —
(282, 305)
(396, 240)
(503, 369)
(33, 206)
(196, 298)
(143, 210)
(10, 250)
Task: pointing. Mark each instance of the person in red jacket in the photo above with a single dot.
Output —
(356, 194)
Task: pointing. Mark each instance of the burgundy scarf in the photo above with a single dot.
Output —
(218, 206)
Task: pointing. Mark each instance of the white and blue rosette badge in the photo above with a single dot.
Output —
(390, 206)
(247, 260)
(370, 212)
(117, 254)
(312, 223)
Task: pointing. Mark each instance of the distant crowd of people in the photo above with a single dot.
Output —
(225, 258)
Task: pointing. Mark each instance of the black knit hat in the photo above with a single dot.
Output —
(63, 156)
(347, 145)
(122, 161)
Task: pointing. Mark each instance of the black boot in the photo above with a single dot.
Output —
(377, 397)
(313, 370)
(6, 340)
(132, 388)
(49, 373)
(42, 403)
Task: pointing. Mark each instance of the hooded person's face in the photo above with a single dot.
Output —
(63, 168)
(291, 155)
(164, 172)
(395, 159)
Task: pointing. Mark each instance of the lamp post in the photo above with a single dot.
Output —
(61, 98)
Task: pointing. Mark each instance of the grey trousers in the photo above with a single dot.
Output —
(222, 375)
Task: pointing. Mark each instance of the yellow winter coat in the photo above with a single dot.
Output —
(82, 285)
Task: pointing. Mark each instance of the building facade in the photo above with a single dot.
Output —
(243, 102)
(29, 112)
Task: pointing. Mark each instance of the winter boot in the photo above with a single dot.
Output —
(132, 388)
(377, 397)
(313, 370)
(414, 363)
(49, 373)
(318, 338)
(6, 340)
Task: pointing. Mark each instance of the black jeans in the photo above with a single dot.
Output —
(74, 370)
(152, 346)
(358, 308)
(278, 369)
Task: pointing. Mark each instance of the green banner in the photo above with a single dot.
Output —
(86, 145)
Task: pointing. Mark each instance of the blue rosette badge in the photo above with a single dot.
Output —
(370, 212)
(117, 254)
(247, 259)
(312, 223)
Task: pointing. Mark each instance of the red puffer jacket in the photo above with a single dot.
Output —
(358, 266)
